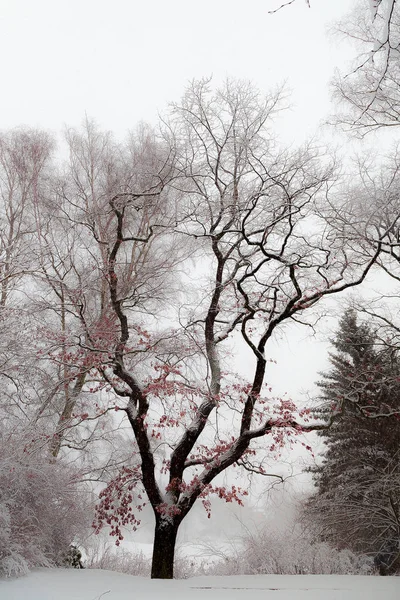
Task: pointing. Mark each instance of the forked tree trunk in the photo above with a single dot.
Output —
(164, 549)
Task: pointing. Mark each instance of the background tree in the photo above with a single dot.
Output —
(369, 92)
(71, 282)
(357, 501)
(25, 168)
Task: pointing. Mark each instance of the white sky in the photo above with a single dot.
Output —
(122, 61)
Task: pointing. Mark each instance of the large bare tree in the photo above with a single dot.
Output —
(265, 255)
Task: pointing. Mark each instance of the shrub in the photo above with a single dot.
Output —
(291, 553)
(43, 507)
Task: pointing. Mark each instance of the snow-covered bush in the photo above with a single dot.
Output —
(189, 566)
(43, 507)
(105, 555)
(289, 552)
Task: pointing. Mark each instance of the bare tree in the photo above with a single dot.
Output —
(370, 210)
(280, 5)
(43, 506)
(72, 298)
(25, 168)
(363, 512)
(256, 214)
(24, 159)
(369, 92)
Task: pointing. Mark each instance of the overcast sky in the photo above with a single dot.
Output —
(121, 61)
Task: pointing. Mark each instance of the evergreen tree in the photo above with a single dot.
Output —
(357, 498)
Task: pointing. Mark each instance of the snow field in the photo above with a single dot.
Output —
(92, 584)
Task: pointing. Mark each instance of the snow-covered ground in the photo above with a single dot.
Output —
(63, 584)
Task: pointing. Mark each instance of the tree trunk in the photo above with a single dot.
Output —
(164, 549)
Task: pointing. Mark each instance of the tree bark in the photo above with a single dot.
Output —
(164, 549)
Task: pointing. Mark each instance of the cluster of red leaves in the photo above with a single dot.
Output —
(284, 431)
(161, 386)
(212, 451)
(116, 501)
(229, 494)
